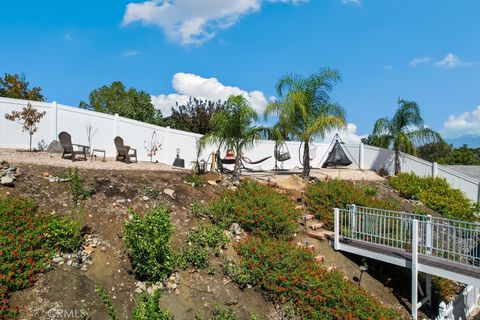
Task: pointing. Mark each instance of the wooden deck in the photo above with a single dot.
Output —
(430, 261)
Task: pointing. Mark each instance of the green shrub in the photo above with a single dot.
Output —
(258, 209)
(436, 194)
(149, 308)
(64, 234)
(193, 256)
(200, 242)
(198, 209)
(208, 235)
(220, 313)
(323, 196)
(150, 192)
(77, 190)
(195, 180)
(107, 302)
(289, 275)
(370, 190)
(237, 273)
(148, 243)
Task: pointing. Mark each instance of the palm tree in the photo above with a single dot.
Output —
(306, 110)
(231, 127)
(404, 131)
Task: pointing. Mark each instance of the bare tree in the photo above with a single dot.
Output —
(91, 131)
(152, 146)
(29, 118)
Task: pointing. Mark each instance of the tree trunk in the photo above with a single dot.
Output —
(236, 169)
(306, 161)
(397, 161)
(31, 141)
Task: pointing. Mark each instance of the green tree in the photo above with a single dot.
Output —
(133, 104)
(29, 118)
(463, 155)
(15, 86)
(232, 127)
(404, 131)
(194, 116)
(305, 109)
(434, 152)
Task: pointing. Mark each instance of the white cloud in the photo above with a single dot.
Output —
(348, 135)
(420, 60)
(354, 2)
(132, 53)
(465, 124)
(388, 67)
(192, 22)
(449, 61)
(189, 85)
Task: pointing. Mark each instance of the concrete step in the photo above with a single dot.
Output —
(316, 226)
(308, 217)
(315, 235)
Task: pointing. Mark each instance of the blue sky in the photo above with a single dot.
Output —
(427, 51)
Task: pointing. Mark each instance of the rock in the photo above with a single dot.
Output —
(150, 290)
(212, 183)
(84, 267)
(138, 290)
(57, 259)
(169, 192)
(88, 250)
(177, 292)
(46, 174)
(120, 201)
(145, 198)
(103, 249)
(7, 181)
(235, 229)
(55, 147)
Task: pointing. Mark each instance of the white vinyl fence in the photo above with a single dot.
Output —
(137, 134)
(462, 307)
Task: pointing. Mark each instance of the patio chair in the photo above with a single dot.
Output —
(68, 147)
(123, 151)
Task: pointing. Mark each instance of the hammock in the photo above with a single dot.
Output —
(247, 160)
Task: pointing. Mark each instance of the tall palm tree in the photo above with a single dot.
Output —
(306, 110)
(404, 131)
(232, 128)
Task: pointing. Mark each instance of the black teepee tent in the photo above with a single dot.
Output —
(337, 157)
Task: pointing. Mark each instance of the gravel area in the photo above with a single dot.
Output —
(54, 159)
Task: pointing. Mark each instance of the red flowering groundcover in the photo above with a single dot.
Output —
(289, 275)
(23, 249)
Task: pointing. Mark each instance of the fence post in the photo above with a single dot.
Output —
(478, 192)
(360, 156)
(54, 121)
(434, 169)
(336, 228)
(429, 235)
(353, 218)
(414, 268)
(168, 134)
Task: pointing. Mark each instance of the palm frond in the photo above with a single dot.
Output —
(424, 135)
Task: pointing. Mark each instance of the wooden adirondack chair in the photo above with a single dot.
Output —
(68, 147)
(123, 151)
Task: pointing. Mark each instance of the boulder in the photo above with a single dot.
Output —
(7, 181)
(55, 147)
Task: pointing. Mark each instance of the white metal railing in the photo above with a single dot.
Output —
(451, 240)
